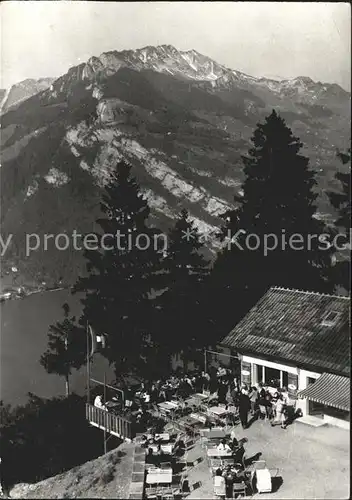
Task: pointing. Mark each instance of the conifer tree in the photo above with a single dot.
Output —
(122, 273)
(185, 269)
(66, 347)
(278, 205)
(341, 201)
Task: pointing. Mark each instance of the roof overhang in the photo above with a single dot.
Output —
(278, 359)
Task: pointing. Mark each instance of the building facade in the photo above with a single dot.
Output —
(301, 341)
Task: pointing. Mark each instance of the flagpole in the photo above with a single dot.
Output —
(106, 415)
(88, 367)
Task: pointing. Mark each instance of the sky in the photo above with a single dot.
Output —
(280, 40)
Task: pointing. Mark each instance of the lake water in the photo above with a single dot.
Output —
(24, 328)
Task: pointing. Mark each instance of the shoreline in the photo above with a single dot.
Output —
(18, 295)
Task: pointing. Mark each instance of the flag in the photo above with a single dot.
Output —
(96, 340)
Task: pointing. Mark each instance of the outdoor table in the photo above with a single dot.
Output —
(172, 404)
(213, 434)
(164, 436)
(215, 453)
(165, 407)
(201, 395)
(159, 476)
(168, 405)
(219, 411)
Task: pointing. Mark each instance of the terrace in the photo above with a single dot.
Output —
(179, 435)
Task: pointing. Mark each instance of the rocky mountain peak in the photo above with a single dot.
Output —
(23, 90)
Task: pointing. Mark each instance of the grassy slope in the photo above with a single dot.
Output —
(108, 476)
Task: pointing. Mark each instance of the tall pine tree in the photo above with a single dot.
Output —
(278, 201)
(66, 347)
(185, 269)
(341, 201)
(122, 273)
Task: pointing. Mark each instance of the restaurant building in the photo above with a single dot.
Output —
(301, 341)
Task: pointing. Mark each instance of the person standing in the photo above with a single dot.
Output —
(279, 408)
(253, 396)
(244, 407)
(206, 381)
(222, 391)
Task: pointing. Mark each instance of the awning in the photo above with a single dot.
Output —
(329, 390)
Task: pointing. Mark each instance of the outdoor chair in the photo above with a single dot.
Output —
(219, 492)
(239, 490)
(151, 467)
(151, 493)
(165, 465)
(166, 493)
(183, 460)
(262, 412)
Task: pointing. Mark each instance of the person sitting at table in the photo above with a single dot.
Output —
(238, 453)
(239, 475)
(179, 447)
(219, 484)
(98, 402)
(159, 451)
(157, 438)
(151, 457)
(223, 446)
(144, 441)
(234, 443)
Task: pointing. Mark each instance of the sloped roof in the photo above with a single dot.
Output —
(331, 390)
(288, 325)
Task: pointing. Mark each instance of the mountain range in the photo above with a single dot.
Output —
(180, 118)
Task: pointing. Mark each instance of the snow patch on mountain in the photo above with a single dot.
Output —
(229, 182)
(56, 178)
(32, 189)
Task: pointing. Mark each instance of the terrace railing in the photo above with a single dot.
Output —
(113, 424)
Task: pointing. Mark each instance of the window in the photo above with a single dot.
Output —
(330, 318)
(272, 377)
